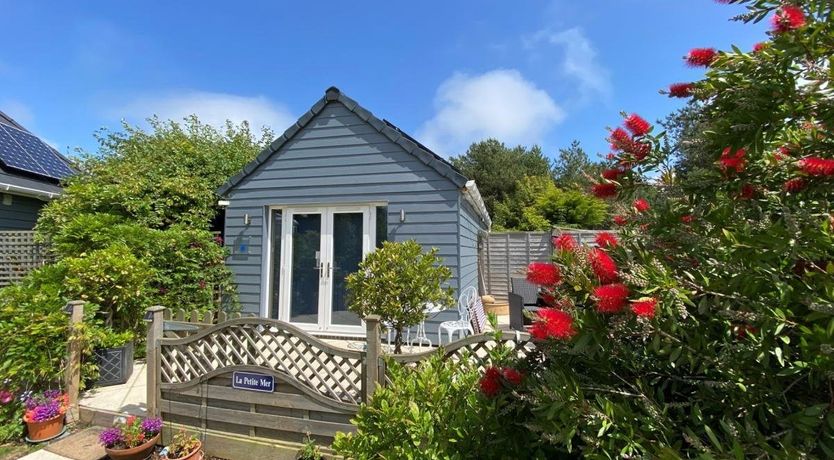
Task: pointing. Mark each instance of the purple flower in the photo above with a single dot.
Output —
(110, 437)
(151, 426)
(46, 411)
(6, 397)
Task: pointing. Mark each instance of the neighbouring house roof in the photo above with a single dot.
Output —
(384, 127)
(20, 179)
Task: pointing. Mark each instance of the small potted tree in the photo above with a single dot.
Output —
(184, 446)
(396, 282)
(133, 439)
(44, 416)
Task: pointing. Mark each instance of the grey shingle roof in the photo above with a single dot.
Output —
(386, 128)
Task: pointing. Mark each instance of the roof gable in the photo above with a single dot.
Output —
(387, 129)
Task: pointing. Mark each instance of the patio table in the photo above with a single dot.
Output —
(431, 310)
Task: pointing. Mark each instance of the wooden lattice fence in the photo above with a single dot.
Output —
(318, 386)
(19, 254)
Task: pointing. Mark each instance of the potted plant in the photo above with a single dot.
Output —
(184, 446)
(114, 355)
(44, 416)
(133, 439)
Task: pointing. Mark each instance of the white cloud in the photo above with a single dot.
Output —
(211, 108)
(499, 103)
(579, 61)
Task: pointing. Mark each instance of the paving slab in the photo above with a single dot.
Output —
(81, 445)
(43, 455)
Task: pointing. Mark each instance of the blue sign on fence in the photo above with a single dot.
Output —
(253, 382)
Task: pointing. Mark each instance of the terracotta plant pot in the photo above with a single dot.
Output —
(38, 431)
(196, 454)
(140, 452)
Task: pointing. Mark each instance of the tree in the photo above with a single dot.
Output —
(537, 204)
(573, 169)
(396, 282)
(497, 168)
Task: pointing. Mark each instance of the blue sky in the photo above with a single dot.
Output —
(448, 72)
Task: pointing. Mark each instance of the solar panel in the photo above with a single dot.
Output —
(21, 150)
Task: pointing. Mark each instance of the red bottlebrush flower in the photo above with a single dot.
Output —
(552, 324)
(733, 161)
(637, 125)
(604, 190)
(619, 135)
(202, 284)
(701, 57)
(816, 166)
(639, 150)
(606, 240)
(564, 242)
(747, 192)
(611, 156)
(787, 18)
(490, 382)
(687, 219)
(219, 240)
(512, 375)
(641, 205)
(603, 266)
(681, 89)
(743, 330)
(645, 307)
(613, 174)
(543, 273)
(611, 298)
(794, 185)
(759, 47)
(620, 220)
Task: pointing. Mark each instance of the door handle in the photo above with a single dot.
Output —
(319, 267)
(327, 272)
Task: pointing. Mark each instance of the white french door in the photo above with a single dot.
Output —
(313, 251)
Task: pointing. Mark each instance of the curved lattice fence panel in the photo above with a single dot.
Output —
(256, 343)
(475, 348)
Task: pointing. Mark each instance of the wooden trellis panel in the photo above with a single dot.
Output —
(19, 254)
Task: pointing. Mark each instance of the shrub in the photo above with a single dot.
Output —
(396, 282)
(706, 332)
(432, 411)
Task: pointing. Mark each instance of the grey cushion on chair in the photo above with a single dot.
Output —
(517, 310)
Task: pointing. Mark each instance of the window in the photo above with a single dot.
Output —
(381, 225)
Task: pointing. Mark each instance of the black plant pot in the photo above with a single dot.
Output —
(115, 365)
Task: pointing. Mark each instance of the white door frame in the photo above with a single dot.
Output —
(323, 325)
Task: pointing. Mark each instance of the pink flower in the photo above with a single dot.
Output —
(552, 324)
(795, 185)
(603, 266)
(641, 205)
(611, 298)
(512, 375)
(543, 273)
(606, 240)
(490, 382)
(637, 125)
(787, 18)
(701, 57)
(564, 242)
(681, 89)
(604, 190)
(816, 166)
(645, 307)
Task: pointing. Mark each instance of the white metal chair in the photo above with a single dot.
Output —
(461, 325)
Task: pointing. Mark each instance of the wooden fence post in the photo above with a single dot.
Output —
(72, 373)
(154, 317)
(372, 355)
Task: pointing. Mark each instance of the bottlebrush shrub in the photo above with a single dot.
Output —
(723, 346)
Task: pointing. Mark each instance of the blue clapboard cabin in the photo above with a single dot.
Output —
(303, 214)
(30, 172)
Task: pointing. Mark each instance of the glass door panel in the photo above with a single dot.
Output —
(348, 250)
(306, 267)
(277, 222)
